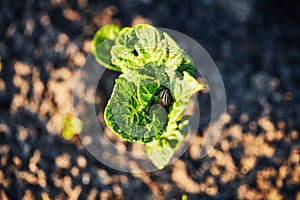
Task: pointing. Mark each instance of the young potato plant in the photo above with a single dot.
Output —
(149, 97)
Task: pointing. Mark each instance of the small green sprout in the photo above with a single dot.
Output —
(71, 126)
(184, 197)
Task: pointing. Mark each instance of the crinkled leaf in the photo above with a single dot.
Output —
(130, 112)
(131, 48)
(186, 64)
(124, 58)
(120, 39)
(161, 151)
(148, 43)
(145, 44)
(183, 91)
(174, 57)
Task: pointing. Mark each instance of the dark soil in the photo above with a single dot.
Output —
(255, 45)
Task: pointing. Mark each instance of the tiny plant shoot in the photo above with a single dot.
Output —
(149, 97)
(71, 127)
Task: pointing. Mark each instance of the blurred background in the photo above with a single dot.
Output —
(255, 45)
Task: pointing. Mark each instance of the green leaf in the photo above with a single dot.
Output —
(127, 49)
(186, 64)
(174, 57)
(108, 32)
(124, 58)
(130, 112)
(137, 46)
(67, 134)
(148, 43)
(183, 90)
(102, 43)
(161, 151)
(120, 39)
(103, 56)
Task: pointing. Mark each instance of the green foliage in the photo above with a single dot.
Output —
(108, 32)
(71, 127)
(149, 60)
(127, 49)
(160, 151)
(102, 43)
(127, 110)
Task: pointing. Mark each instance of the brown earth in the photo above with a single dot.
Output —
(255, 45)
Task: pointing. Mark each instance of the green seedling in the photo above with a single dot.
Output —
(149, 97)
(71, 126)
(184, 197)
